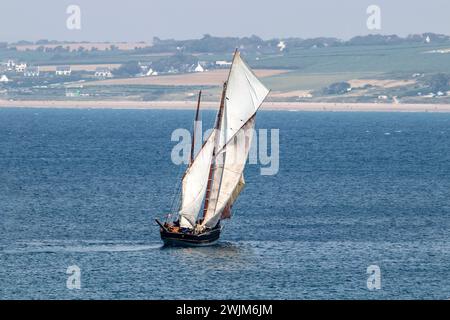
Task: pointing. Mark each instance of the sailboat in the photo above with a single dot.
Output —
(214, 177)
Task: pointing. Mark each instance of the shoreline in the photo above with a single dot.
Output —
(190, 105)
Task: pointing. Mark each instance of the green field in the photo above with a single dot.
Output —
(299, 80)
(380, 59)
(308, 69)
(315, 68)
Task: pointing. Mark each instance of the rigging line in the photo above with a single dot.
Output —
(176, 195)
(176, 199)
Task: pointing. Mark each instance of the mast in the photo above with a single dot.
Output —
(216, 138)
(195, 126)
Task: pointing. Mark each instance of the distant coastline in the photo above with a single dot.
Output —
(267, 106)
(372, 70)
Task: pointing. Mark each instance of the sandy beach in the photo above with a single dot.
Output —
(286, 106)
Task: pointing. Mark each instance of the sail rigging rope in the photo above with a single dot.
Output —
(176, 199)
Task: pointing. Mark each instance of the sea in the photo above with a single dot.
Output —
(359, 208)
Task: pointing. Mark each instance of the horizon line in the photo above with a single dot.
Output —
(150, 41)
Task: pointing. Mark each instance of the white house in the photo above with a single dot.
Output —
(145, 66)
(150, 72)
(63, 71)
(31, 72)
(10, 65)
(20, 67)
(281, 45)
(4, 79)
(199, 68)
(222, 63)
(102, 72)
(72, 93)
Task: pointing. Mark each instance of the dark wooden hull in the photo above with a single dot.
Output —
(179, 239)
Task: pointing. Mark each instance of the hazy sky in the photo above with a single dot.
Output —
(140, 20)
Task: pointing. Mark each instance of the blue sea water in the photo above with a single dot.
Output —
(81, 187)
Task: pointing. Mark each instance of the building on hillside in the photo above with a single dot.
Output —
(145, 66)
(63, 71)
(281, 45)
(223, 63)
(199, 68)
(20, 67)
(10, 64)
(31, 72)
(146, 69)
(4, 79)
(102, 72)
(73, 93)
(150, 72)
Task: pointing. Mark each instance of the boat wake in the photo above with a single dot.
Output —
(62, 246)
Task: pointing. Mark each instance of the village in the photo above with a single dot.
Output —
(174, 70)
(23, 79)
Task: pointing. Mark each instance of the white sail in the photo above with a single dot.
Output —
(226, 212)
(230, 142)
(237, 190)
(218, 170)
(194, 184)
(244, 95)
(229, 174)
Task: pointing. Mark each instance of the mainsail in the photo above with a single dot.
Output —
(244, 95)
(235, 155)
(220, 163)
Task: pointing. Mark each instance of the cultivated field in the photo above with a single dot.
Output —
(386, 83)
(209, 78)
(290, 94)
(82, 67)
(299, 80)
